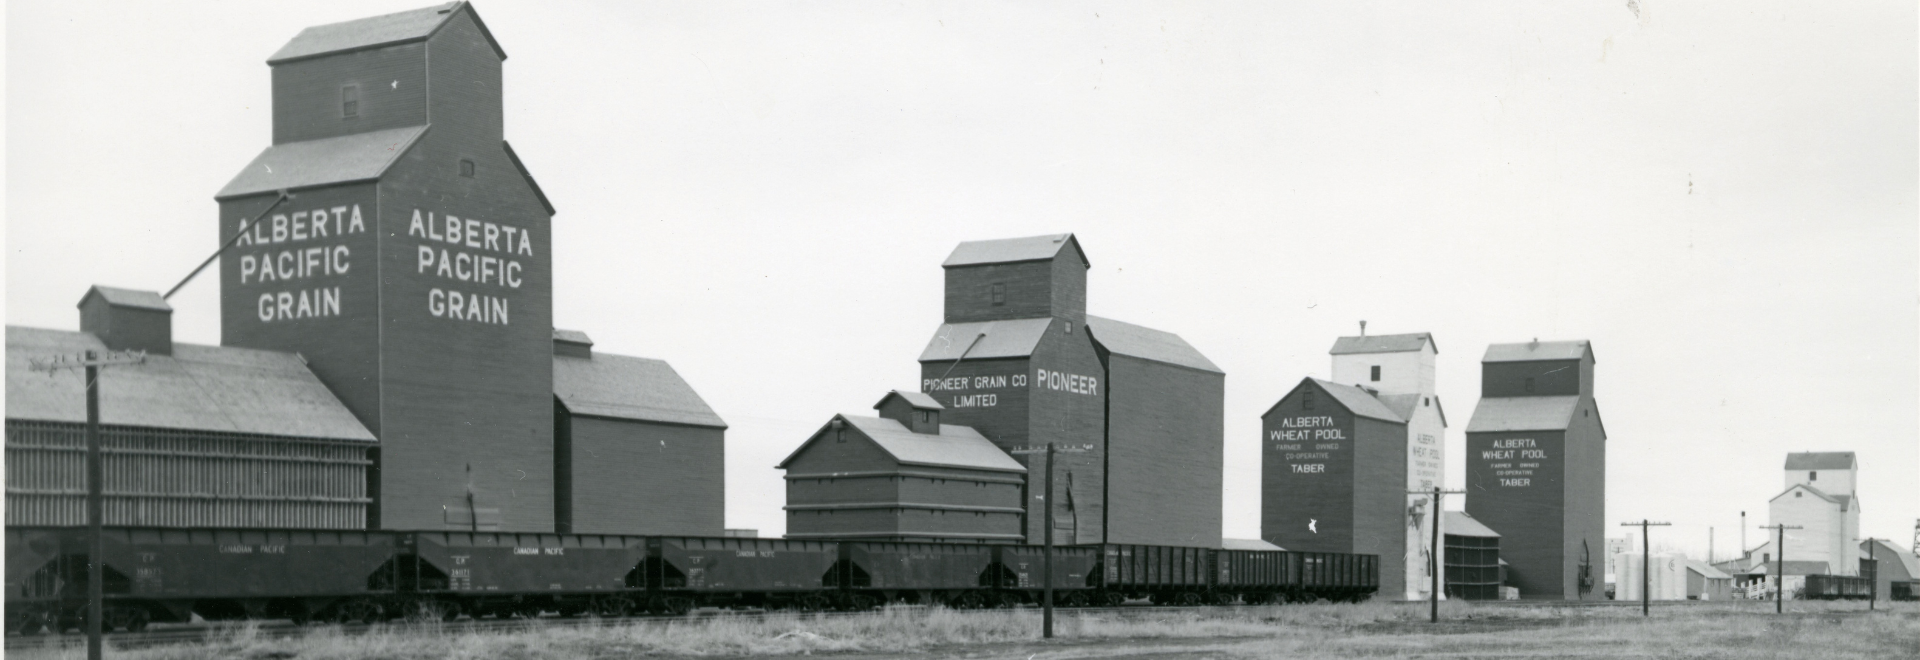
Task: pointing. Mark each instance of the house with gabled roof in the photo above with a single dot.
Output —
(903, 476)
(1536, 467)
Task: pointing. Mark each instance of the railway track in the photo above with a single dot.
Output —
(281, 629)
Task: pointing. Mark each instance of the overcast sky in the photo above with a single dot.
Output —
(1722, 198)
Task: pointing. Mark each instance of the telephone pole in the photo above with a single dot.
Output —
(1873, 581)
(1646, 563)
(1780, 565)
(1046, 624)
(90, 363)
(1433, 552)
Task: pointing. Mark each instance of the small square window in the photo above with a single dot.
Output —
(350, 101)
(466, 168)
(1376, 373)
(1069, 327)
(839, 436)
(1813, 476)
(1306, 400)
(1796, 494)
(997, 293)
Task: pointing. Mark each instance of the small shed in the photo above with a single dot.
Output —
(903, 476)
(1704, 582)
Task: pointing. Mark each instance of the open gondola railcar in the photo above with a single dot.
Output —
(1903, 590)
(1192, 576)
(1837, 587)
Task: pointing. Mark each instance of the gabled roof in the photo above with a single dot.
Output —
(1013, 338)
(1706, 570)
(323, 162)
(1538, 350)
(914, 399)
(128, 298)
(1460, 523)
(1254, 545)
(200, 388)
(1821, 460)
(1011, 250)
(622, 387)
(1147, 344)
(378, 31)
(1354, 399)
(522, 167)
(953, 446)
(1523, 413)
(1383, 344)
(1843, 500)
(1908, 561)
(1403, 405)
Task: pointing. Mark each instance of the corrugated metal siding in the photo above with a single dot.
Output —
(171, 478)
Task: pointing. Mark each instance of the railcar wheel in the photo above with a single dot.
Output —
(1189, 599)
(1222, 598)
(1112, 599)
(30, 623)
(612, 606)
(965, 601)
(357, 611)
(811, 603)
(1075, 599)
(679, 606)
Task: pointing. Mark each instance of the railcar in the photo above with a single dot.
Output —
(1169, 575)
(1837, 587)
(171, 575)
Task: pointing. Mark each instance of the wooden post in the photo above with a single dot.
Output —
(1433, 553)
(1780, 565)
(1646, 564)
(96, 512)
(1046, 590)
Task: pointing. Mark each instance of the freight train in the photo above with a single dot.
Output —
(169, 575)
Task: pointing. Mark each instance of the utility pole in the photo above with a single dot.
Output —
(1873, 581)
(90, 362)
(1433, 552)
(1646, 563)
(1780, 565)
(1046, 624)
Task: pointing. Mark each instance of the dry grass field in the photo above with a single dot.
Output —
(1743, 630)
